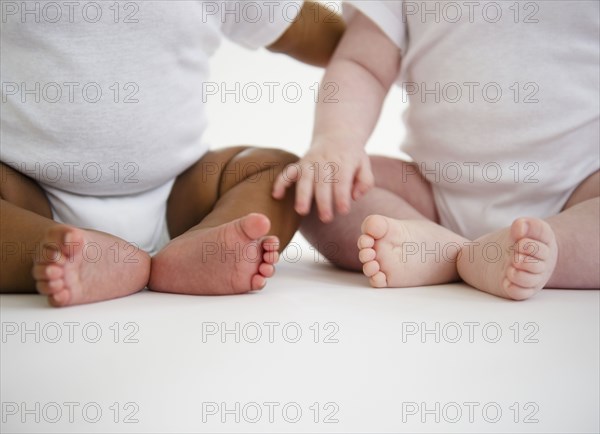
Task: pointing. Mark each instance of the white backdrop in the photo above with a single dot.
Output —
(282, 123)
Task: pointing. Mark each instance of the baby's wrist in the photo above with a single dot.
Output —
(337, 142)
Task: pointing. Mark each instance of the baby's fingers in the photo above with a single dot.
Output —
(342, 187)
(323, 197)
(285, 179)
(304, 191)
(364, 180)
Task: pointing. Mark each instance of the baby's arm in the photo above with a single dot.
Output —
(313, 35)
(364, 67)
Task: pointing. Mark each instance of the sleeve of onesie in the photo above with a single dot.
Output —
(256, 24)
(389, 15)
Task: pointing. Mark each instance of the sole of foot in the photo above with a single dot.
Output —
(397, 253)
(513, 263)
(233, 258)
(77, 266)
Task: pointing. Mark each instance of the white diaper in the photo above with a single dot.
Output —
(138, 218)
(475, 214)
(488, 207)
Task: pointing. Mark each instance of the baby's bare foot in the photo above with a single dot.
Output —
(513, 263)
(233, 258)
(404, 253)
(77, 266)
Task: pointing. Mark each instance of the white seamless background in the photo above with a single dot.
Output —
(282, 123)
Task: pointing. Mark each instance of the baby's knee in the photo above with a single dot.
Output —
(269, 156)
(256, 160)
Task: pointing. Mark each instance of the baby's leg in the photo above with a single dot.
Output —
(219, 213)
(393, 249)
(559, 252)
(577, 231)
(69, 265)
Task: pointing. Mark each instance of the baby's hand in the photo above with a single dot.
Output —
(332, 174)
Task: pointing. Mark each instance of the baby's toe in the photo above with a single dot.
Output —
(376, 226)
(516, 292)
(365, 242)
(366, 255)
(271, 257)
(539, 230)
(378, 280)
(270, 243)
(48, 287)
(258, 282)
(522, 278)
(267, 270)
(370, 268)
(533, 248)
(60, 299)
(47, 272)
(529, 264)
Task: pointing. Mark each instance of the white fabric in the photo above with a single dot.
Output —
(493, 158)
(146, 125)
(138, 218)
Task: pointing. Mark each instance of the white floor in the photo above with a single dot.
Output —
(316, 345)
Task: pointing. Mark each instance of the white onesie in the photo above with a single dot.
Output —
(503, 113)
(102, 102)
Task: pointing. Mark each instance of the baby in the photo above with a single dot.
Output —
(503, 129)
(102, 159)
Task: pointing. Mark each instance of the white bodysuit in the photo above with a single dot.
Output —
(102, 102)
(503, 106)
